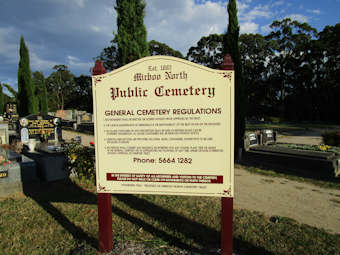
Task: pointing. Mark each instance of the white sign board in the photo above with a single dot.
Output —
(164, 125)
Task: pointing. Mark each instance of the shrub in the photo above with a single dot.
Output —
(331, 138)
(81, 160)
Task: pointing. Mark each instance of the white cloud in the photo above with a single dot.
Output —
(257, 12)
(277, 3)
(95, 28)
(38, 63)
(9, 45)
(75, 63)
(248, 27)
(315, 11)
(266, 29)
(181, 23)
(80, 3)
(298, 17)
(75, 3)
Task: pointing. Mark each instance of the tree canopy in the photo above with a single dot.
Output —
(60, 87)
(291, 74)
(158, 48)
(208, 51)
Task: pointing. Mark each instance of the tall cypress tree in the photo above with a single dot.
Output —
(231, 46)
(27, 104)
(131, 36)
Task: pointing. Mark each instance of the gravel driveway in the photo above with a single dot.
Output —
(303, 202)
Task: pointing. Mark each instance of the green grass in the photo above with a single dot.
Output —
(61, 218)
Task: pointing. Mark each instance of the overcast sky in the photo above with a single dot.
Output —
(73, 32)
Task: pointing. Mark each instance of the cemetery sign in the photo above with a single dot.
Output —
(165, 125)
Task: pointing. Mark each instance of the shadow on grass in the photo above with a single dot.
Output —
(68, 192)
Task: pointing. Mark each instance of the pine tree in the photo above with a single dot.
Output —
(27, 104)
(231, 46)
(131, 36)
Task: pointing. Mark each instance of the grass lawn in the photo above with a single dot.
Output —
(61, 218)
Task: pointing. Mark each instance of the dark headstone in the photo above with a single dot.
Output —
(40, 126)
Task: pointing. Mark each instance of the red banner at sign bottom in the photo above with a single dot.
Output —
(177, 178)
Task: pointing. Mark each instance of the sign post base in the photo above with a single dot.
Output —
(227, 226)
(105, 222)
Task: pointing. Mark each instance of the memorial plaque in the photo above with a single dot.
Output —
(3, 173)
(164, 125)
(86, 118)
(38, 126)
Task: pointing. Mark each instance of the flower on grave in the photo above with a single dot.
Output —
(3, 161)
(324, 147)
(73, 157)
(44, 134)
(92, 143)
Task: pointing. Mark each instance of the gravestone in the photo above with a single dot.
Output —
(35, 127)
(68, 115)
(11, 111)
(251, 140)
(85, 118)
(268, 136)
(16, 170)
(49, 157)
(4, 133)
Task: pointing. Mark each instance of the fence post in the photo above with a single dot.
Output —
(226, 202)
(104, 200)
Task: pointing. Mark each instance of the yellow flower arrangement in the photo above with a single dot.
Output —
(324, 147)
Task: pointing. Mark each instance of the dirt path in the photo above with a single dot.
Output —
(85, 139)
(312, 137)
(305, 203)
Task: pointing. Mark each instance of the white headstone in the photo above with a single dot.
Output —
(24, 135)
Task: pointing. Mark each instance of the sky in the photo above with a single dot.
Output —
(74, 32)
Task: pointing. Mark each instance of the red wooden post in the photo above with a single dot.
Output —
(227, 203)
(104, 200)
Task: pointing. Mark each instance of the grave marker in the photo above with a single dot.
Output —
(36, 126)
